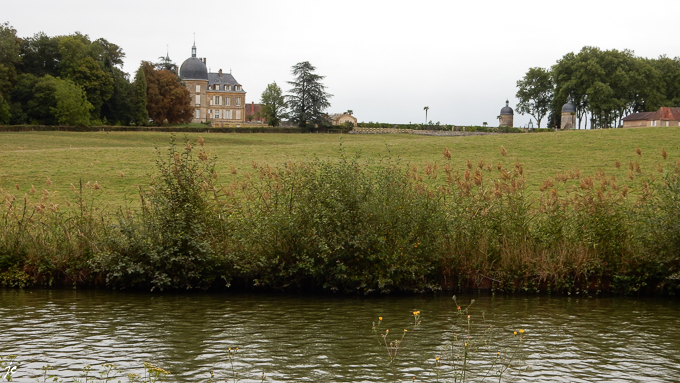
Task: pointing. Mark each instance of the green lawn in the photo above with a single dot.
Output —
(28, 159)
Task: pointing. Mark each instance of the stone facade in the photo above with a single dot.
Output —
(341, 118)
(199, 98)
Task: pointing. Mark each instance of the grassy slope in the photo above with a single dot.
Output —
(66, 157)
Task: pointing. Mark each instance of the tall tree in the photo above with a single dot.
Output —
(79, 65)
(167, 100)
(43, 102)
(9, 58)
(535, 93)
(5, 113)
(426, 109)
(141, 115)
(72, 107)
(669, 74)
(308, 98)
(273, 104)
(22, 94)
(40, 55)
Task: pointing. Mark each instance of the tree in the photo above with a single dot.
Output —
(167, 100)
(273, 105)
(79, 65)
(40, 55)
(166, 63)
(9, 58)
(140, 115)
(426, 109)
(308, 98)
(669, 74)
(535, 93)
(72, 107)
(42, 103)
(22, 94)
(5, 114)
(119, 108)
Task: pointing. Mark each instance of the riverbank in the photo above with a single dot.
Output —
(354, 226)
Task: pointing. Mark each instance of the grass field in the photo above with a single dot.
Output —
(120, 160)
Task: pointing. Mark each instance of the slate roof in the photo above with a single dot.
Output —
(506, 109)
(193, 69)
(222, 79)
(663, 114)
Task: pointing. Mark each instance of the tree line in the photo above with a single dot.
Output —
(72, 80)
(604, 86)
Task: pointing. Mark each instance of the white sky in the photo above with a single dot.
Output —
(385, 60)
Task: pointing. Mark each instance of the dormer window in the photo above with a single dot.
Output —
(226, 87)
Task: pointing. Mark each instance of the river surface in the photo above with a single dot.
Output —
(303, 338)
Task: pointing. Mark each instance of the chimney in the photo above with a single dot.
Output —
(203, 60)
(220, 73)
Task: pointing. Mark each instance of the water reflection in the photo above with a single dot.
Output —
(329, 338)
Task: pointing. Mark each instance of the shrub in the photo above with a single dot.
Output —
(167, 243)
(342, 226)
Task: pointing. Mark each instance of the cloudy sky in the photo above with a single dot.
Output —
(385, 60)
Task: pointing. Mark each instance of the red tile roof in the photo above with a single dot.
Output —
(663, 114)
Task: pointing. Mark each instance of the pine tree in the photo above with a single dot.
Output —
(141, 115)
(308, 98)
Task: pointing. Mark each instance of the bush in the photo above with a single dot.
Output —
(167, 243)
(341, 226)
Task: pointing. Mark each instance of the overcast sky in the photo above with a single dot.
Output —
(385, 60)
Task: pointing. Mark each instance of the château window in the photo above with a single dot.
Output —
(238, 101)
(198, 100)
(238, 114)
(227, 101)
(217, 114)
(226, 87)
(197, 113)
(227, 114)
(198, 89)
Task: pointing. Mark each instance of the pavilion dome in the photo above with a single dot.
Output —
(507, 109)
(569, 107)
(193, 68)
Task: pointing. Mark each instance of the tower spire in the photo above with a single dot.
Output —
(193, 49)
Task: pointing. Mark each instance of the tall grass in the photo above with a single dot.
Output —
(357, 225)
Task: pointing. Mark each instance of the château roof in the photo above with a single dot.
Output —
(223, 79)
(663, 114)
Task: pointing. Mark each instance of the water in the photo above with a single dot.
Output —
(329, 338)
